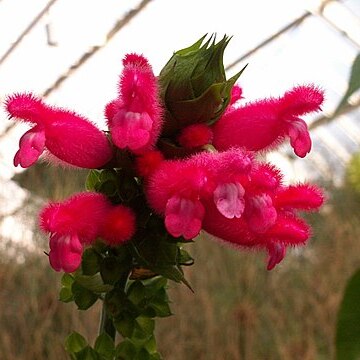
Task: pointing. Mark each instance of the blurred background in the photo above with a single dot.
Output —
(70, 51)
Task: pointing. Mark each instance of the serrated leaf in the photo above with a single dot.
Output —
(83, 297)
(348, 322)
(104, 345)
(75, 342)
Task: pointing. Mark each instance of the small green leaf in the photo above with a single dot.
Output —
(136, 292)
(66, 295)
(67, 280)
(92, 180)
(93, 283)
(185, 258)
(83, 297)
(75, 343)
(111, 270)
(104, 345)
(143, 354)
(144, 327)
(348, 322)
(125, 350)
(125, 325)
(87, 354)
(90, 262)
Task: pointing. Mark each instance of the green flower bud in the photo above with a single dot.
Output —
(193, 85)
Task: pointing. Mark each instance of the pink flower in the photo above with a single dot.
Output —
(195, 136)
(68, 136)
(134, 118)
(118, 225)
(269, 219)
(73, 223)
(178, 189)
(174, 190)
(264, 124)
(65, 252)
(78, 221)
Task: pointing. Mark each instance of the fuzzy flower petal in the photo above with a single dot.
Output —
(134, 118)
(118, 225)
(194, 136)
(68, 136)
(81, 214)
(264, 124)
(301, 197)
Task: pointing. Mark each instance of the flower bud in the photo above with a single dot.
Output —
(193, 85)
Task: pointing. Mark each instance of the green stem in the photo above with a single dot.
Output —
(106, 324)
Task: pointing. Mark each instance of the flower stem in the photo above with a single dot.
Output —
(106, 324)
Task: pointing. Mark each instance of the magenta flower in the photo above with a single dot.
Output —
(78, 221)
(134, 118)
(72, 224)
(264, 124)
(174, 189)
(67, 136)
(178, 189)
(269, 220)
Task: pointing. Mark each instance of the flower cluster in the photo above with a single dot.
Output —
(190, 147)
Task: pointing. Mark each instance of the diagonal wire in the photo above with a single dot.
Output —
(26, 31)
(93, 50)
(267, 41)
(121, 23)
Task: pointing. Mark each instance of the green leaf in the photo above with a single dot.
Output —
(354, 83)
(144, 327)
(185, 258)
(104, 345)
(348, 322)
(93, 283)
(111, 270)
(66, 294)
(87, 354)
(83, 297)
(143, 354)
(136, 292)
(125, 350)
(90, 262)
(172, 273)
(75, 343)
(92, 180)
(125, 325)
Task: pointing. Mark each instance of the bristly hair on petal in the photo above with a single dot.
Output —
(301, 100)
(26, 107)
